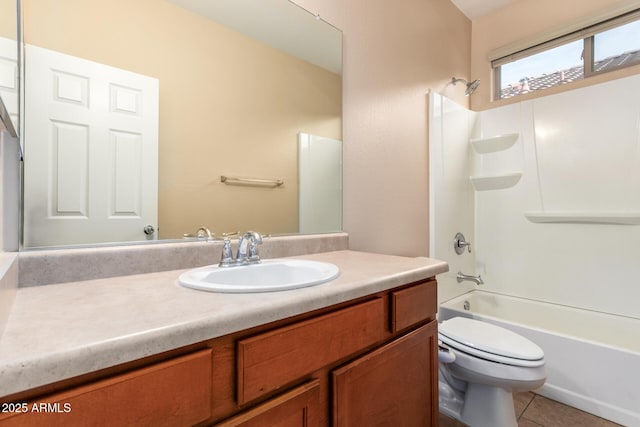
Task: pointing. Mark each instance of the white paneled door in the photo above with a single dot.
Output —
(91, 152)
(9, 77)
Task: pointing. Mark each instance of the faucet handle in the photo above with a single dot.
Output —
(247, 250)
(256, 237)
(205, 233)
(459, 243)
(254, 257)
(226, 259)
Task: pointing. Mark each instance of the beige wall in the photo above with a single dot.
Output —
(393, 53)
(228, 106)
(525, 19)
(8, 21)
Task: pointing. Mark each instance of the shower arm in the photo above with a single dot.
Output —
(470, 86)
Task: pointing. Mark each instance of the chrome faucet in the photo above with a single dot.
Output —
(204, 232)
(475, 279)
(248, 248)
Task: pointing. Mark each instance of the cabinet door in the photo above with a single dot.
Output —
(395, 385)
(296, 408)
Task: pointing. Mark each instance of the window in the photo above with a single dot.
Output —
(617, 48)
(596, 49)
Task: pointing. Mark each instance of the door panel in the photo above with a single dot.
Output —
(91, 151)
(9, 78)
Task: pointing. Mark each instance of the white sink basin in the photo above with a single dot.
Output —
(270, 275)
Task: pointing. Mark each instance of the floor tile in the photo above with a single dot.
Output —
(549, 413)
(523, 422)
(450, 422)
(521, 401)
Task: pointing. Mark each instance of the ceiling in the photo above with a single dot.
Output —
(477, 8)
(278, 23)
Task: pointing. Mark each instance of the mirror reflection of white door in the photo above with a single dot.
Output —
(9, 77)
(91, 151)
(320, 184)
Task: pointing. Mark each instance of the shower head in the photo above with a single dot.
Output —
(471, 86)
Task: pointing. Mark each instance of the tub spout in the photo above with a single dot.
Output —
(475, 279)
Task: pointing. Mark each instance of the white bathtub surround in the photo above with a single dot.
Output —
(64, 330)
(576, 204)
(578, 197)
(42, 267)
(591, 357)
(451, 197)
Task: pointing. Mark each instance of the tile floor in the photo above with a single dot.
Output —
(534, 410)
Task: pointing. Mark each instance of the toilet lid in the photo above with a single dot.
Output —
(487, 340)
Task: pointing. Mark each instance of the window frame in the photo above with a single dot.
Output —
(586, 33)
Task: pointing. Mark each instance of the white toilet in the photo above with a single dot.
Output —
(481, 365)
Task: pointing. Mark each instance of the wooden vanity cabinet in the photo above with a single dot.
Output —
(373, 362)
(367, 362)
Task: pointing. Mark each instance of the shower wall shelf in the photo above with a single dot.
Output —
(494, 143)
(624, 218)
(495, 182)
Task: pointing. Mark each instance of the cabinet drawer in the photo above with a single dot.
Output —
(273, 359)
(414, 304)
(172, 393)
(299, 407)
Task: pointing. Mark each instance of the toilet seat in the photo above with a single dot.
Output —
(490, 342)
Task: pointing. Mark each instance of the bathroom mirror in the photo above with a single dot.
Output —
(162, 102)
(9, 70)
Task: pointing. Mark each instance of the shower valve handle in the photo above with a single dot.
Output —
(467, 244)
(459, 243)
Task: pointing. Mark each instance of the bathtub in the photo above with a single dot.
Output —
(592, 358)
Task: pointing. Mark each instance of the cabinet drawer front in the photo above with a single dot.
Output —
(271, 360)
(413, 305)
(299, 407)
(172, 393)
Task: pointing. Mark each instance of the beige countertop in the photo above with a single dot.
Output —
(60, 331)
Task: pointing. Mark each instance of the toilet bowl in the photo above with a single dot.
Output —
(481, 365)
